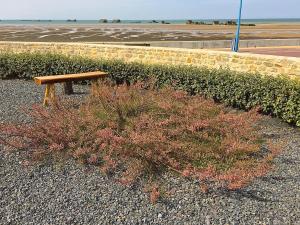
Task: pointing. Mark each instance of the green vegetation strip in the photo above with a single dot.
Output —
(277, 96)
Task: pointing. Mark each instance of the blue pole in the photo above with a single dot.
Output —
(237, 37)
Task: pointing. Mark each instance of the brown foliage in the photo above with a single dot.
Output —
(146, 131)
(154, 194)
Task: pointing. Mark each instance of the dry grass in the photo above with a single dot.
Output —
(143, 132)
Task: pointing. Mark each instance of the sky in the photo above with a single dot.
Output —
(146, 9)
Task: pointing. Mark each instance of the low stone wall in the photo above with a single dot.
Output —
(242, 62)
(213, 44)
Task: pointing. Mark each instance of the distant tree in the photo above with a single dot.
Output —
(103, 21)
(230, 22)
(189, 22)
(116, 21)
(216, 22)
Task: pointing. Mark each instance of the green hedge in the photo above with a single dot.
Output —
(278, 96)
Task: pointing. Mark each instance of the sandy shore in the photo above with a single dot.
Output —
(142, 32)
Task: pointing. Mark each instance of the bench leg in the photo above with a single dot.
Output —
(50, 96)
(68, 88)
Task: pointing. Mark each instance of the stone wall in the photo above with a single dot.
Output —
(242, 62)
(213, 44)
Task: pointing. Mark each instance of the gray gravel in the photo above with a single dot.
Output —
(75, 194)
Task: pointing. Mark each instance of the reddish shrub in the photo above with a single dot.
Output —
(145, 131)
(155, 194)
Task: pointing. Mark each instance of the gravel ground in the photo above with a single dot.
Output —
(75, 194)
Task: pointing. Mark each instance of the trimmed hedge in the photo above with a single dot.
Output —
(277, 96)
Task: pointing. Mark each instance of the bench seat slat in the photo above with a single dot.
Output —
(69, 77)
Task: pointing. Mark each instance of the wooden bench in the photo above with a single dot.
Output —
(50, 82)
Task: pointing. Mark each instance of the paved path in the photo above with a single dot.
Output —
(280, 51)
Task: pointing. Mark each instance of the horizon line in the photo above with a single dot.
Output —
(266, 18)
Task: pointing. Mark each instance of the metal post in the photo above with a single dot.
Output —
(237, 37)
